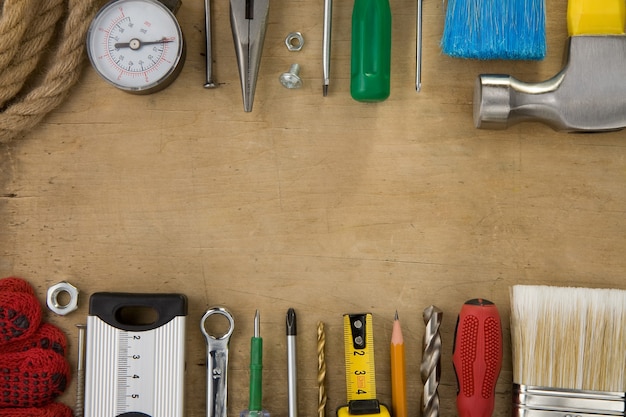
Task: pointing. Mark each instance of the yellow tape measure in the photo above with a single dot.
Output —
(358, 338)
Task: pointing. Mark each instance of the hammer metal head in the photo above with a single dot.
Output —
(587, 95)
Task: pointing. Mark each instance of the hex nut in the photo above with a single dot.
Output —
(294, 41)
(53, 298)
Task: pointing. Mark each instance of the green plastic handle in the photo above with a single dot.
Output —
(256, 371)
(371, 50)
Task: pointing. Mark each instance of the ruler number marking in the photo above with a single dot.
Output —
(131, 368)
(359, 355)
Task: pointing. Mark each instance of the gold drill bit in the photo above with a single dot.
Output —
(430, 368)
(321, 370)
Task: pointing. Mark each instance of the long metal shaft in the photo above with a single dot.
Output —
(322, 398)
(79, 409)
(210, 83)
(328, 16)
(430, 368)
(292, 362)
(418, 48)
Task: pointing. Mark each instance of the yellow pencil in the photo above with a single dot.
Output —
(398, 371)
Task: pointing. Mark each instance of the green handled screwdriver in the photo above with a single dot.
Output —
(371, 50)
(256, 370)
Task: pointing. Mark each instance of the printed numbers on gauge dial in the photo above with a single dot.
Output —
(136, 45)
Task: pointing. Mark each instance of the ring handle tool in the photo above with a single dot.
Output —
(217, 363)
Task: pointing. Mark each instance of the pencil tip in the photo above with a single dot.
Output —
(396, 317)
(325, 90)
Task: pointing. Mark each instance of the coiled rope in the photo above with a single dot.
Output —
(34, 33)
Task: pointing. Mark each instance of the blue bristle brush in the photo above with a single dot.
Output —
(495, 29)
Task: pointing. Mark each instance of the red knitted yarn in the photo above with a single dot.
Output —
(32, 378)
(51, 410)
(47, 336)
(15, 284)
(33, 370)
(20, 315)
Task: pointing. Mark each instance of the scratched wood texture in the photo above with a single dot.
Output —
(322, 204)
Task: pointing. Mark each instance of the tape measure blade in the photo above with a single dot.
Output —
(359, 357)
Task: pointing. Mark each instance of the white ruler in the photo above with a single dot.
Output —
(135, 361)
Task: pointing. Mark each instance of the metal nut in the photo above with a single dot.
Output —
(53, 298)
(294, 41)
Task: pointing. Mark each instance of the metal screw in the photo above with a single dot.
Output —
(290, 79)
(79, 410)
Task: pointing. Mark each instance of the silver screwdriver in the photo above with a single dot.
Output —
(328, 16)
(418, 48)
(209, 51)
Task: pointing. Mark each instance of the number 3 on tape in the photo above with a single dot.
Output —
(358, 337)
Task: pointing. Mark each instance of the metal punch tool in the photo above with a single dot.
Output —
(248, 21)
(217, 363)
(210, 82)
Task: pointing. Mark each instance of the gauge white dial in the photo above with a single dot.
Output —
(136, 45)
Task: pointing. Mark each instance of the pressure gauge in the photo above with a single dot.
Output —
(136, 45)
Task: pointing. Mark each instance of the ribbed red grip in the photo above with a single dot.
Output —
(477, 357)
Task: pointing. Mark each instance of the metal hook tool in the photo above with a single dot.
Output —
(217, 363)
(248, 21)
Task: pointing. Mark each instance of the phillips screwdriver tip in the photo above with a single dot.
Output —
(291, 322)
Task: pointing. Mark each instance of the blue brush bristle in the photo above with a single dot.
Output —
(495, 29)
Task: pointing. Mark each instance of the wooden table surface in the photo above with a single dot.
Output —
(319, 203)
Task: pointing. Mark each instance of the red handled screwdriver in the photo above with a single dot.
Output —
(477, 357)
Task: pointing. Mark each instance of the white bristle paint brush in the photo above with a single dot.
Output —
(569, 351)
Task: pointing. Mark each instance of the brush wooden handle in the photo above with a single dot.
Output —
(477, 357)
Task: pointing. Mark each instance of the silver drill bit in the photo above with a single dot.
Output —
(430, 368)
(80, 372)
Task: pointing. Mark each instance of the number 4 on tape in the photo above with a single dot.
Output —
(358, 337)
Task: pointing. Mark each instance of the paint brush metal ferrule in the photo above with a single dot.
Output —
(530, 401)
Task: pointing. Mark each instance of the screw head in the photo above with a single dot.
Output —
(290, 79)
